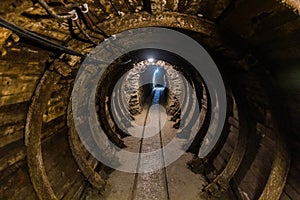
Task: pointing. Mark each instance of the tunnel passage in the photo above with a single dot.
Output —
(255, 45)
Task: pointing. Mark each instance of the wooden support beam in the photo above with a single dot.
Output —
(166, 19)
(78, 151)
(33, 136)
(220, 184)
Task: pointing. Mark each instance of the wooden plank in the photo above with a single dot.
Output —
(227, 148)
(219, 163)
(13, 113)
(17, 150)
(294, 179)
(284, 196)
(10, 138)
(14, 80)
(61, 176)
(23, 188)
(16, 85)
(16, 153)
(55, 111)
(17, 67)
(53, 127)
(226, 153)
(249, 184)
(58, 103)
(15, 98)
(30, 55)
(16, 185)
(247, 190)
(75, 189)
(290, 190)
(232, 139)
(234, 122)
(10, 129)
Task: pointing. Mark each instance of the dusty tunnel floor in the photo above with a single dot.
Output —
(175, 181)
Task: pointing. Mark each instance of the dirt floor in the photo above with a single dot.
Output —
(175, 181)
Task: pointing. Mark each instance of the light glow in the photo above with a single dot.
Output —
(150, 59)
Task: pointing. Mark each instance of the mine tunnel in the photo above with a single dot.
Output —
(146, 98)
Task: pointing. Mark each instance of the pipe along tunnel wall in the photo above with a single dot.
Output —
(255, 45)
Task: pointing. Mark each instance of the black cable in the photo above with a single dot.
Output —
(84, 32)
(95, 25)
(38, 39)
(52, 13)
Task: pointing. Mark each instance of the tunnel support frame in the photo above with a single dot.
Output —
(33, 136)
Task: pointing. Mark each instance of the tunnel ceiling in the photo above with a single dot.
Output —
(255, 44)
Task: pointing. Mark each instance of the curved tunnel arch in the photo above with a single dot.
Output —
(258, 114)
